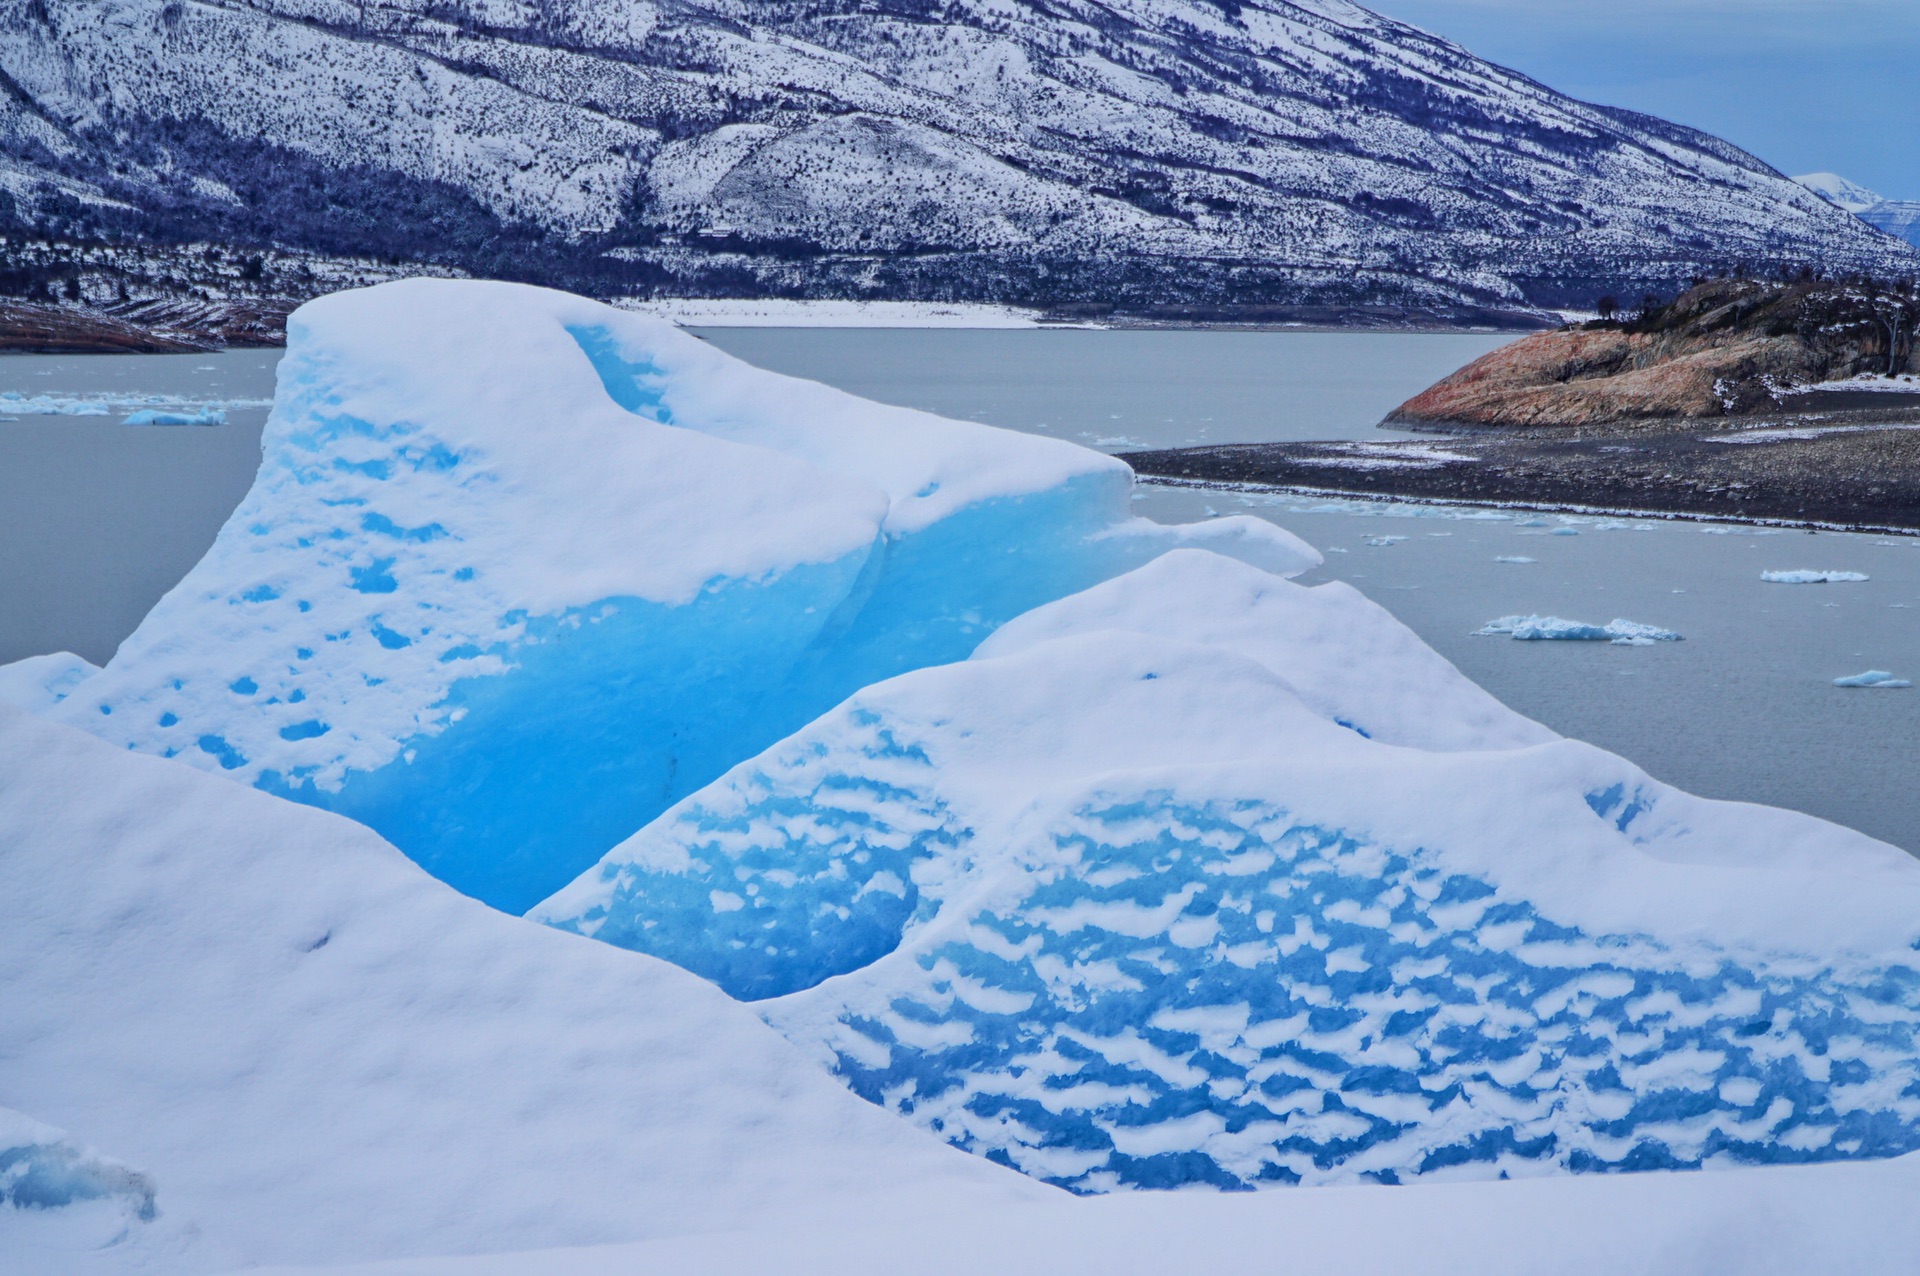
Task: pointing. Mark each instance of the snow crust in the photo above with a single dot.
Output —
(519, 570)
(1621, 633)
(1152, 892)
(315, 1053)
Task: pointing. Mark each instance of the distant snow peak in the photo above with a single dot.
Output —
(1836, 189)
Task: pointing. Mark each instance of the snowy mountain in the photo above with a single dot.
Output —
(1139, 152)
(1897, 217)
(1836, 189)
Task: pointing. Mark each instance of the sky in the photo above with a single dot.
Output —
(1806, 85)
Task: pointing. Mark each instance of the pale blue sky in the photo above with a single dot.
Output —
(1807, 85)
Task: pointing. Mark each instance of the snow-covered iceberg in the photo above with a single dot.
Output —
(1203, 877)
(1621, 633)
(519, 570)
(1873, 678)
(312, 1052)
(1809, 577)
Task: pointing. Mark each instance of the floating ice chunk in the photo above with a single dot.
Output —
(14, 403)
(1120, 902)
(519, 570)
(1514, 558)
(154, 416)
(40, 682)
(1382, 542)
(1872, 678)
(1812, 577)
(1564, 531)
(1624, 633)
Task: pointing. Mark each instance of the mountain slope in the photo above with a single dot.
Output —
(1134, 151)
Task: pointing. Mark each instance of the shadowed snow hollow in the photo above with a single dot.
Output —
(519, 571)
(1204, 877)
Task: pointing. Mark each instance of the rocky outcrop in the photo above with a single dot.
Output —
(1725, 348)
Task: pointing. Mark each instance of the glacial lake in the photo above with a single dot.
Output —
(103, 518)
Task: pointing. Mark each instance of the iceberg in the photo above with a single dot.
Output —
(315, 1053)
(1621, 633)
(1872, 678)
(1204, 878)
(520, 570)
(1812, 577)
(154, 416)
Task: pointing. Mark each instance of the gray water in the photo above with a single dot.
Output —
(102, 519)
(1128, 390)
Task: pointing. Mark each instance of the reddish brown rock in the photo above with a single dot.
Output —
(1725, 348)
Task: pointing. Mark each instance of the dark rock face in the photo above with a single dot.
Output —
(1134, 154)
(1723, 349)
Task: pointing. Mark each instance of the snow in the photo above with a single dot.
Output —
(1873, 678)
(519, 570)
(314, 1053)
(1844, 1220)
(1205, 878)
(1812, 577)
(40, 682)
(1836, 189)
(1622, 633)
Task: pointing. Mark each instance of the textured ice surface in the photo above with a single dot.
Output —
(1621, 633)
(519, 570)
(1812, 577)
(1202, 877)
(1872, 678)
(40, 682)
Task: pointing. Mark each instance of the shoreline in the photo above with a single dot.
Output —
(1846, 470)
(1532, 507)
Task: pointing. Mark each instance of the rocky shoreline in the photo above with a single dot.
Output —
(142, 327)
(1840, 466)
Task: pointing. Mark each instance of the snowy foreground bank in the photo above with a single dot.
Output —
(905, 797)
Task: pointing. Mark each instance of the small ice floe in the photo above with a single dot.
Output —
(1534, 522)
(1812, 578)
(1514, 558)
(1381, 542)
(1873, 678)
(151, 416)
(1621, 633)
(1564, 531)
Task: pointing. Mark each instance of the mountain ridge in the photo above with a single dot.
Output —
(1131, 154)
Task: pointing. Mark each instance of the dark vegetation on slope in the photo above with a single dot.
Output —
(1179, 161)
